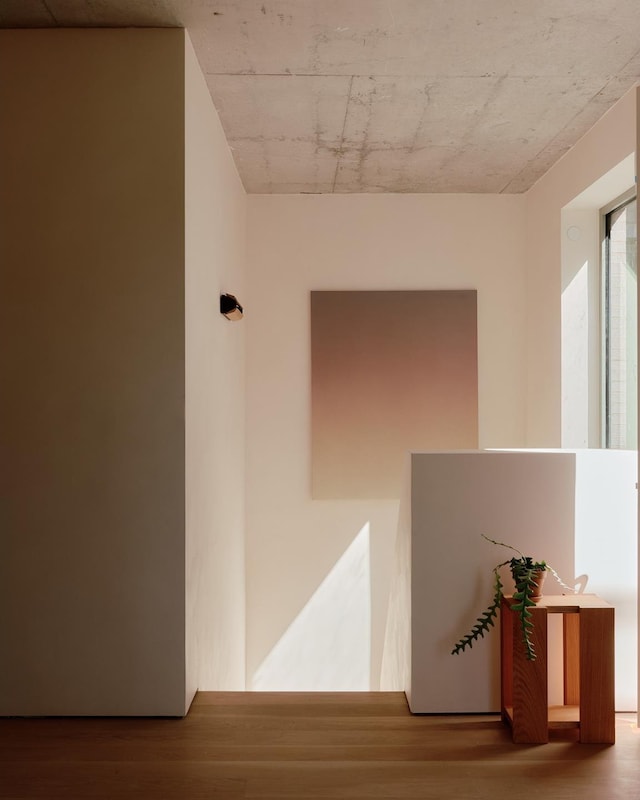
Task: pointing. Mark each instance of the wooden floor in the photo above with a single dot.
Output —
(286, 746)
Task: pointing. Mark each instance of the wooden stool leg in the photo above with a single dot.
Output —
(530, 697)
(506, 660)
(571, 662)
(597, 703)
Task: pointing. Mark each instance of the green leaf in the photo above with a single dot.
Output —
(485, 621)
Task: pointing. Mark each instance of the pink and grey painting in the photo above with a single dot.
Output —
(391, 372)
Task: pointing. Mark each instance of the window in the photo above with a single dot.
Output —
(620, 350)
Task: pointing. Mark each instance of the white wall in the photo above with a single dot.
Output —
(300, 243)
(608, 143)
(215, 206)
(456, 497)
(606, 551)
(587, 520)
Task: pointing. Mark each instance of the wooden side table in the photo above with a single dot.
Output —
(588, 665)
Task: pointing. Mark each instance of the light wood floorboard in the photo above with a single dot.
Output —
(307, 745)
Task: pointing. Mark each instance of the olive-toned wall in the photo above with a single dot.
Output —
(95, 529)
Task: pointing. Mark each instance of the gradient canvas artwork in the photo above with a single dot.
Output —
(391, 372)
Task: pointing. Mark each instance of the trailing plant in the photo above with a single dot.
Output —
(527, 575)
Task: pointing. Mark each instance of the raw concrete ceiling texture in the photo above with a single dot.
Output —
(321, 96)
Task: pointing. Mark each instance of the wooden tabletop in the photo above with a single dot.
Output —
(567, 603)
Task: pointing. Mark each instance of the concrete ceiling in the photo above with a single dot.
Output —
(323, 96)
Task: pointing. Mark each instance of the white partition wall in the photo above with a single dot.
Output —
(606, 550)
(553, 505)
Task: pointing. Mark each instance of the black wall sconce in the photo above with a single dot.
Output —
(230, 307)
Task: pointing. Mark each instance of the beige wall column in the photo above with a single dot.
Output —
(92, 246)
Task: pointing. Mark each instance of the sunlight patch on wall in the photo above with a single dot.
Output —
(575, 360)
(580, 250)
(606, 549)
(328, 645)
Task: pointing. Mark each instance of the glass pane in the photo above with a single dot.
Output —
(622, 321)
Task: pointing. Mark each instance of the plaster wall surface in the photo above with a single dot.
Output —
(300, 243)
(92, 584)
(610, 141)
(442, 563)
(455, 497)
(215, 206)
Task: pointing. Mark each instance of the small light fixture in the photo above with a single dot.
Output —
(230, 307)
